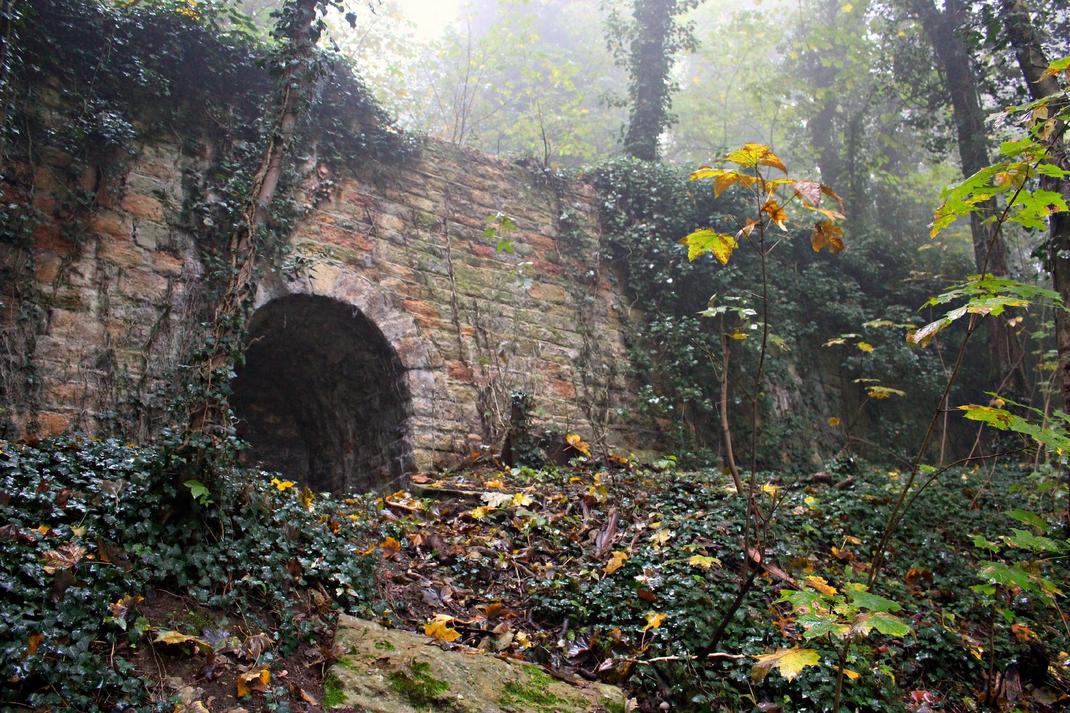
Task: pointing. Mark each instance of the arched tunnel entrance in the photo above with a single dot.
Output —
(321, 396)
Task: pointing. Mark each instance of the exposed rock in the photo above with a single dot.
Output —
(391, 671)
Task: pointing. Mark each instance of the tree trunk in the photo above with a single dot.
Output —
(208, 419)
(650, 64)
(1033, 62)
(990, 253)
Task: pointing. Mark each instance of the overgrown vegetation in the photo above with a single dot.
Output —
(91, 541)
(906, 562)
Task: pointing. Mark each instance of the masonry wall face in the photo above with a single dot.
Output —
(96, 339)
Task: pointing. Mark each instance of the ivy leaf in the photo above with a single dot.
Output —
(704, 240)
(789, 662)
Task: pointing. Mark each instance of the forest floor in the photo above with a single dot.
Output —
(608, 571)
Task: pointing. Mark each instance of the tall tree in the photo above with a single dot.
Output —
(653, 38)
(943, 29)
(1033, 62)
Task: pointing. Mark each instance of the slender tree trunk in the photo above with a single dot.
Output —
(942, 29)
(1033, 62)
(726, 427)
(207, 421)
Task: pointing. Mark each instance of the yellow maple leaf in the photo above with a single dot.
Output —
(616, 561)
(865, 347)
(480, 512)
(522, 500)
(282, 485)
(789, 662)
(390, 547)
(833, 421)
(576, 441)
(653, 620)
(307, 497)
(704, 240)
(438, 628)
(494, 484)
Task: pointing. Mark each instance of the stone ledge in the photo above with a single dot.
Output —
(391, 671)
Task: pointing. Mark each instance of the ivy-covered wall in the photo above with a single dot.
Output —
(406, 246)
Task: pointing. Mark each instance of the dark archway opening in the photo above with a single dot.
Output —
(321, 396)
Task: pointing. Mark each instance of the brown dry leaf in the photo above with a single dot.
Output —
(254, 680)
(390, 547)
(33, 644)
(827, 235)
(122, 606)
(256, 645)
(66, 556)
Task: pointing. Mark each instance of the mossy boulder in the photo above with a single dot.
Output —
(390, 671)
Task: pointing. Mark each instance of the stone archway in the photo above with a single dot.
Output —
(323, 396)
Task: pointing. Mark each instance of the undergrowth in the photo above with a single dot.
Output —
(88, 530)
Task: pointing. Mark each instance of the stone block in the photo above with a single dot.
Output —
(144, 206)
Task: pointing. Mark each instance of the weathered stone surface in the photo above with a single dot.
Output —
(403, 246)
(390, 671)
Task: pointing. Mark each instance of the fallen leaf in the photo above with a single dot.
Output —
(576, 441)
(390, 547)
(177, 638)
(438, 628)
(653, 620)
(616, 561)
(66, 556)
(254, 680)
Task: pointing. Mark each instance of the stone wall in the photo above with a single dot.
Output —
(98, 318)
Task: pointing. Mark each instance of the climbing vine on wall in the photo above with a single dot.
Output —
(96, 81)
